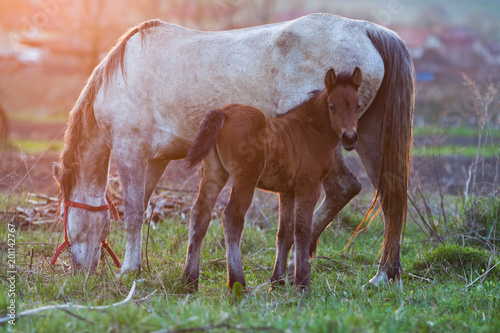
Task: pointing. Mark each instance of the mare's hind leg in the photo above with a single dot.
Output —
(284, 237)
(233, 221)
(213, 179)
(340, 186)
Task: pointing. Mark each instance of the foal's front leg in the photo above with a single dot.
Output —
(284, 237)
(305, 201)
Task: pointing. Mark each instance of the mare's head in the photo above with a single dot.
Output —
(87, 220)
(343, 103)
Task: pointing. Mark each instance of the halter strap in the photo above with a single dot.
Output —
(109, 206)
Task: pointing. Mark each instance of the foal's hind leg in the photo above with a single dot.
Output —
(213, 179)
(284, 237)
(233, 221)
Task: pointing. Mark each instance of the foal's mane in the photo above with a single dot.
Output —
(312, 98)
(315, 96)
(82, 121)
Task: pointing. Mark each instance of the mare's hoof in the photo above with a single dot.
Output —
(129, 269)
(369, 286)
(291, 273)
(381, 280)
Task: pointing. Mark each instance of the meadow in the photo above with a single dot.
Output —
(450, 257)
(449, 283)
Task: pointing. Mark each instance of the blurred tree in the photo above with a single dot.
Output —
(4, 126)
(92, 28)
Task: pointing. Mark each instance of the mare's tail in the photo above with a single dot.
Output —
(395, 102)
(206, 138)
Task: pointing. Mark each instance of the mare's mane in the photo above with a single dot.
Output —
(82, 120)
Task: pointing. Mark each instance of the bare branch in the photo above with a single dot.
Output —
(72, 306)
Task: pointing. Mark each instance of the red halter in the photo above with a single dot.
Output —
(110, 205)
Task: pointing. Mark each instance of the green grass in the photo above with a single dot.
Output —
(456, 150)
(39, 146)
(458, 131)
(35, 146)
(434, 297)
(489, 151)
(34, 117)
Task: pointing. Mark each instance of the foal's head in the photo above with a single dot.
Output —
(343, 102)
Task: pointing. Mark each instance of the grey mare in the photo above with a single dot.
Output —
(146, 99)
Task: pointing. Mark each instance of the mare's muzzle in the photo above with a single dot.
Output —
(349, 140)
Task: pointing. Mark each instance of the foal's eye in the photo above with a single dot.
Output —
(331, 108)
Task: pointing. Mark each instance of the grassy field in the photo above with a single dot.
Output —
(445, 287)
(489, 151)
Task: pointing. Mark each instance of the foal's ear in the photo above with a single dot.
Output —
(56, 171)
(357, 77)
(330, 78)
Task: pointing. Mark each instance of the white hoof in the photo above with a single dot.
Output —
(379, 280)
(127, 268)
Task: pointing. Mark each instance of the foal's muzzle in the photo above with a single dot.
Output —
(349, 140)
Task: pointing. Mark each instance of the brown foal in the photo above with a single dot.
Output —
(290, 155)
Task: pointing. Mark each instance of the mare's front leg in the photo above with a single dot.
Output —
(284, 237)
(213, 178)
(131, 163)
(233, 221)
(305, 201)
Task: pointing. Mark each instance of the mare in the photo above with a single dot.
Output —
(290, 154)
(146, 99)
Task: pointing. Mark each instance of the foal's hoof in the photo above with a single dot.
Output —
(190, 282)
(190, 287)
(276, 283)
(238, 289)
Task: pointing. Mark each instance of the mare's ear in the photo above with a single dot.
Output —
(330, 78)
(56, 171)
(357, 77)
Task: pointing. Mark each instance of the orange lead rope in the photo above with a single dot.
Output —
(109, 206)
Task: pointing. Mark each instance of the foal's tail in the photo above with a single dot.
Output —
(206, 138)
(394, 102)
